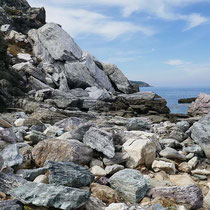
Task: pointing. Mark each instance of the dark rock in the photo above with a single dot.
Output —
(130, 184)
(49, 195)
(120, 157)
(190, 194)
(8, 135)
(31, 174)
(11, 205)
(186, 100)
(10, 181)
(138, 124)
(69, 174)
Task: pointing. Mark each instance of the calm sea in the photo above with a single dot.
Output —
(172, 95)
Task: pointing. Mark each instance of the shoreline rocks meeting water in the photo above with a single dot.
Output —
(76, 134)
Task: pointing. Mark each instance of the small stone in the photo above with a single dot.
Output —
(41, 179)
(113, 169)
(183, 126)
(119, 158)
(193, 162)
(19, 122)
(171, 153)
(189, 156)
(53, 131)
(95, 204)
(207, 200)
(98, 171)
(96, 162)
(104, 193)
(184, 167)
(165, 166)
(117, 206)
(36, 136)
(130, 184)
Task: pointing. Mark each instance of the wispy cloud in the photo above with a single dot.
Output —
(176, 62)
(81, 21)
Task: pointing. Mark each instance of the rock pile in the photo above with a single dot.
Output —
(84, 138)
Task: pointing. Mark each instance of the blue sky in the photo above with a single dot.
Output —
(162, 42)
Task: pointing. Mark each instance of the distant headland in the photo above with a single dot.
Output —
(140, 83)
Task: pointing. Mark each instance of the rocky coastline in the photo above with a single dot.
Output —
(76, 134)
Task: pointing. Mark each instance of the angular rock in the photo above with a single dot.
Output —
(68, 174)
(159, 165)
(119, 80)
(201, 106)
(49, 195)
(171, 153)
(193, 162)
(141, 150)
(190, 194)
(11, 156)
(98, 94)
(183, 125)
(130, 184)
(100, 140)
(61, 150)
(49, 37)
(201, 171)
(42, 179)
(200, 133)
(10, 181)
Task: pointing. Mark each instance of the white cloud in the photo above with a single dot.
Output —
(175, 62)
(164, 9)
(81, 21)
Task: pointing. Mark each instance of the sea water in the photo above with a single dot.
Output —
(172, 95)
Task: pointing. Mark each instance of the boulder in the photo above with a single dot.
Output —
(140, 147)
(49, 37)
(118, 79)
(190, 194)
(100, 140)
(200, 133)
(201, 106)
(61, 150)
(141, 103)
(48, 195)
(68, 174)
(130, 184)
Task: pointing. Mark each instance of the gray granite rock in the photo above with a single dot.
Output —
(8, 135)
(52, 35)
(10, 181)
(183, 125)
(190, 194)
(100, 140)
(49, 195)
(69, 174)
(200, 133)
(130, 184)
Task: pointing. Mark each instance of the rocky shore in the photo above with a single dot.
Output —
(76, 134)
